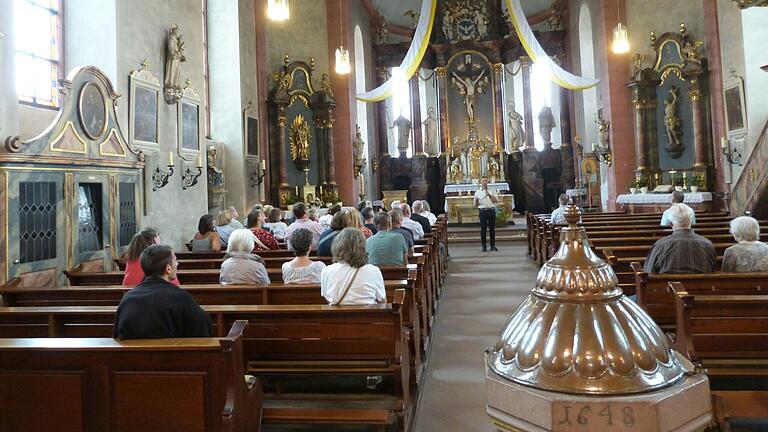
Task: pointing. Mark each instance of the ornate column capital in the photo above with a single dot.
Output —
(525, 61)
(498, 67)
(440, 71)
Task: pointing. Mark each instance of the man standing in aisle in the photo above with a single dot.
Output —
(486, 201)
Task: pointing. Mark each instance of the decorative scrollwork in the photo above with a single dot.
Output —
(13, 144)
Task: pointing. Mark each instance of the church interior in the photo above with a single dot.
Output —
(576, 123)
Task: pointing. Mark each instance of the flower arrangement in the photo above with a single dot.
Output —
(502, 214)
(697, 180)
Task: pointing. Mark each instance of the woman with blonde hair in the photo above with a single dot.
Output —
(354, 219)
(241, 266)
(225, 225)
(351, 280)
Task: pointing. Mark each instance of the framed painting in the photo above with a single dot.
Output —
(250, 132)
(144, 106)
(188, 113)
(92, 110)
(735, 108)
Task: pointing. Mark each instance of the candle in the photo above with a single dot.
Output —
(321, 191)
(593, 147)
(685, 174)
(200, 160)
(297, 191)
(724, 142)
(263, 164)
(170, 158)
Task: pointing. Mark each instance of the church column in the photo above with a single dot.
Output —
(282, 153)
(525, 69)
(381, 108)
(716, 98)
(418, 143)
(498, 105)
(442, 101)
(699, 126)
(644, 103)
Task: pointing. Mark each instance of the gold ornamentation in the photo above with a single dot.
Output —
(691, 51)
(744, 4)
(283, 79)
(525, 61)
(576, 333)
(440, 71)
(641, 104)
(298, 137)
(752, 175)
(671, 70)
(325, 85)
(281, 120)
(694, 95)
(498, 67)
(637, 64)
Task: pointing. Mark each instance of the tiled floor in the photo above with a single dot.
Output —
(480, 292)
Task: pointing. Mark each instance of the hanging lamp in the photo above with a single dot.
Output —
(277, 10)
(620, 37)
(342, 54)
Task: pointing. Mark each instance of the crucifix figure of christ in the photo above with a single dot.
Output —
(468, 87)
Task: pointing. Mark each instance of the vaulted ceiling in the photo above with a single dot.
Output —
(394, 10)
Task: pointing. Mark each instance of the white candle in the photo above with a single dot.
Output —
(170, 158)
(200, 160)
(724, 142)
(263, 164)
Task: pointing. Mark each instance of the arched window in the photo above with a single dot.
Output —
(589, 97)
(38, 51)
(362, 107)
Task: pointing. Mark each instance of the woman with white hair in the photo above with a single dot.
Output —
(749, 254)
(241, 266)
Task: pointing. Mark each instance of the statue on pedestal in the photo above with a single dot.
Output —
(174, 57)
(516, 134)
(493, 171)
(404, 127)
(456, 174)
(546, 124)
(430, 133)
(672, 124)
(215, 174)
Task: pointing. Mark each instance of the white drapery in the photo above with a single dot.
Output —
(540, 57)
(412, 60)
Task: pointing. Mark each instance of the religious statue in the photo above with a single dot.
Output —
(691, 52)
(553, 17)
(215, 174)
(456, 174)
(672, 123)
(467, 86)
(404, 127)
(516, 134)
(298, 137)
(493, 169)
(602, 130)
(447, 25)
(174, 57)
(546, 124)
(481, 23)
(358, 152)
(284, 81)
(325, 85)
(637, 64)
(430, 133)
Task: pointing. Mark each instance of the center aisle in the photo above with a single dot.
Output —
(480, 292)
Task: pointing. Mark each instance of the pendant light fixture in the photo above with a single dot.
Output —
(342, 54)
(620, 37)
(277, 10)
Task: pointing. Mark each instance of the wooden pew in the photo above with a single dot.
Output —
(193, 384)
(727, 336)
(278, 341)
(655, 297)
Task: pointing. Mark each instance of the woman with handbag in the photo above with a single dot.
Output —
(350, 280)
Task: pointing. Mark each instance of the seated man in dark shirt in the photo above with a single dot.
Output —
(397, 216)
(156, 308)
(683, 251)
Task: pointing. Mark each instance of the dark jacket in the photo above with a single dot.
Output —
(326, 241)
(424, 222)
(158, 309)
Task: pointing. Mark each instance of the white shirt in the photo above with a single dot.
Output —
(315, 228)
(558, 215)
(367, 288)
(415, 227)
(483, 198)
(325, 221)
(303, 275)
(429, 215)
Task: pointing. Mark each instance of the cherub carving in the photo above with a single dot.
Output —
(691, 51)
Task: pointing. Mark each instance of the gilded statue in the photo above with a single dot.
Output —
(468, 87)
(672, 123)
(174, 57)
(430, 132)
(284, 81)
(456, 175)
(325, 85)
(358, 151)
(691, 51)
(298, 136)
(404, 127)
(516, 134)
(637, 64)
(493, 169)
(215, 174)
(553, 17)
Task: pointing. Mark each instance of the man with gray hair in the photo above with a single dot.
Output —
(235, 218)
(426, 211)
(422, 220)
(407, 222)
(677, 197)
(683, 251)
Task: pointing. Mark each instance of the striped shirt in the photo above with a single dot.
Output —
(683, 251)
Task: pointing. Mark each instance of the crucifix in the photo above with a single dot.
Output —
(469, 85)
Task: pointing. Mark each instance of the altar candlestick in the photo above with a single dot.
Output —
(170, 158)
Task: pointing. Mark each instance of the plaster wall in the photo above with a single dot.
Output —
(248, 94)
(84, 19)
(9, 116)
(301, 37)
(142, 26)
(660, 16)
(359, 17)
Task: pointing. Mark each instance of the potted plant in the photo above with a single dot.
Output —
(633, 186)
(697, 181)
(502, 214)
(642, 183)
(678, 182)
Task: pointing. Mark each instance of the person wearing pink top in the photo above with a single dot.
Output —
(133, 271)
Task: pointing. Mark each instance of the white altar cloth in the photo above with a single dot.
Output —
(652, 198)
(576, 192)
(471, 187)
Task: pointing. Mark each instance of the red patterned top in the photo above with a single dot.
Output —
(366, 232)
(266, 239)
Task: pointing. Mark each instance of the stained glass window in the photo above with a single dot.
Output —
(38, 51)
